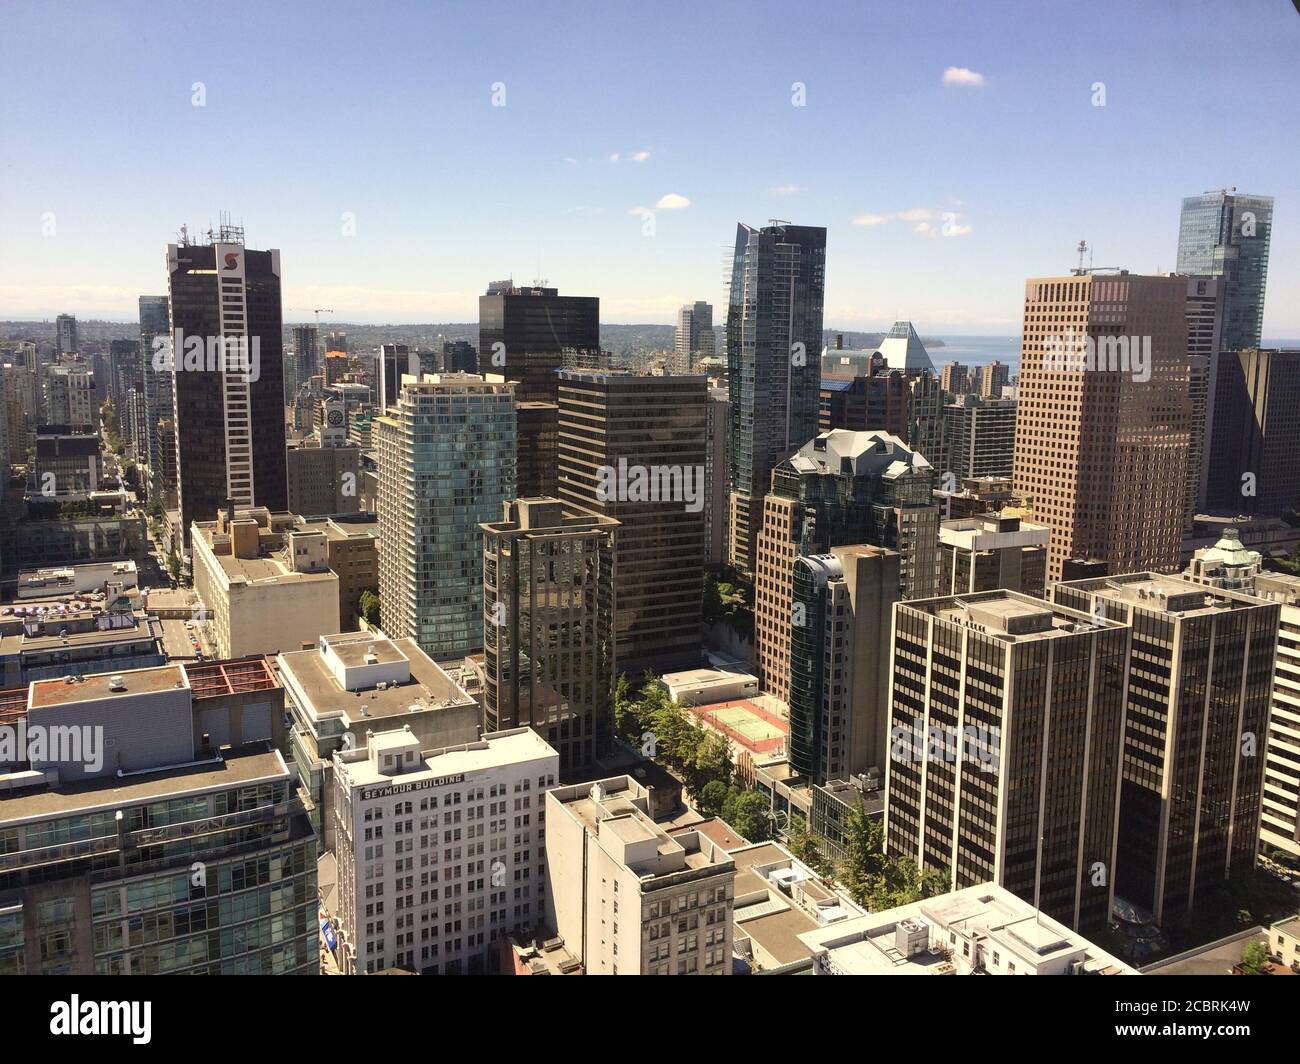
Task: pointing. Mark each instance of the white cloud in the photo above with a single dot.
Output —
(923, 227)
(785, 190)
(871, 219)
(614, 158)
(915, 214)
(642, 211)
(964, 77)
(956, 230)
(640, 156)
(672, 202)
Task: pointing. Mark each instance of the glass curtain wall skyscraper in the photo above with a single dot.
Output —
(774, 341)
(1226, 234)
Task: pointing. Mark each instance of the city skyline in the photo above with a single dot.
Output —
(1002, 150)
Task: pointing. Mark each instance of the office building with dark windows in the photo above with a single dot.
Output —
(1006, 731)
(634, 448)
(774, 340)
(839, 489)
(839, 662)
(230, 440)
(524, 331)
(1199, 688)
(548, 648)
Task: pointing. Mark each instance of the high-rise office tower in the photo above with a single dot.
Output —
(954, 378)
(694, 337)
(548, 572)
(774, 341)
(925, 420)
(446, 465)
(1204, 343)
(1199, 687)
(990, 551)
(878, 403)
(225, 306)
(524, 332)
(459, 356)
(335, 340)
(992, 378)
(159, 394)
(1226, 234)
(528, 334)
(717, 495)
(306, 353)
(395, 360)
(980, 436)
(842, 611)
(1006, 730)
(1255, 435)
(126, 364)
(634, 448)
(70, 397)
(1231, 566)
(1103, 417)
(839, 488)
(65, 335)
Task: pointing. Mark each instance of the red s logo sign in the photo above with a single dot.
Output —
(232, 260)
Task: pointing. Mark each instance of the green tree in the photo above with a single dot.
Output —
(712, 798)
(369, 605)
(710, 762)
(1254, 958)
(749, 813)
(862, 869)
(802, 843)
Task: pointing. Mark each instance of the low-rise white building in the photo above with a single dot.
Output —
(983, 929)
(627, 897)
(440, 852)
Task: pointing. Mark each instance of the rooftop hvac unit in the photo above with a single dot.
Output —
(911, 936)
(116, 683)
(946, 968)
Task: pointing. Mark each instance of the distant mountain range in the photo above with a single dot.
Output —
(626, 340)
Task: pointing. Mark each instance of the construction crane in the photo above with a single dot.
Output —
(318, 311)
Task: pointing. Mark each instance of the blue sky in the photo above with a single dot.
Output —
(384, 112)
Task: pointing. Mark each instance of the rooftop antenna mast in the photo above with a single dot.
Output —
(1083, 249)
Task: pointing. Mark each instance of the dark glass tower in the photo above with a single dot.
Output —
(774, 341)
(230, 441)
(535, 326)
(1224, 234)
(158, 394)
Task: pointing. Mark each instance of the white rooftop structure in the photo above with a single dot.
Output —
(902, 349)
(982, 929)
(873, 453)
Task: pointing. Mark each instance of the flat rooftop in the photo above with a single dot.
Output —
(236, 769)
(494, 750)
(308, 674)
(1159, 592)
(59, 692)
(1010, 616)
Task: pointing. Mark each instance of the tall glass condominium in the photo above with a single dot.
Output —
(446, 465)
(774, 341)
(1226, 234)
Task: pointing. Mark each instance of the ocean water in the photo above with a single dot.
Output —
(977, 351)
(981, 350)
